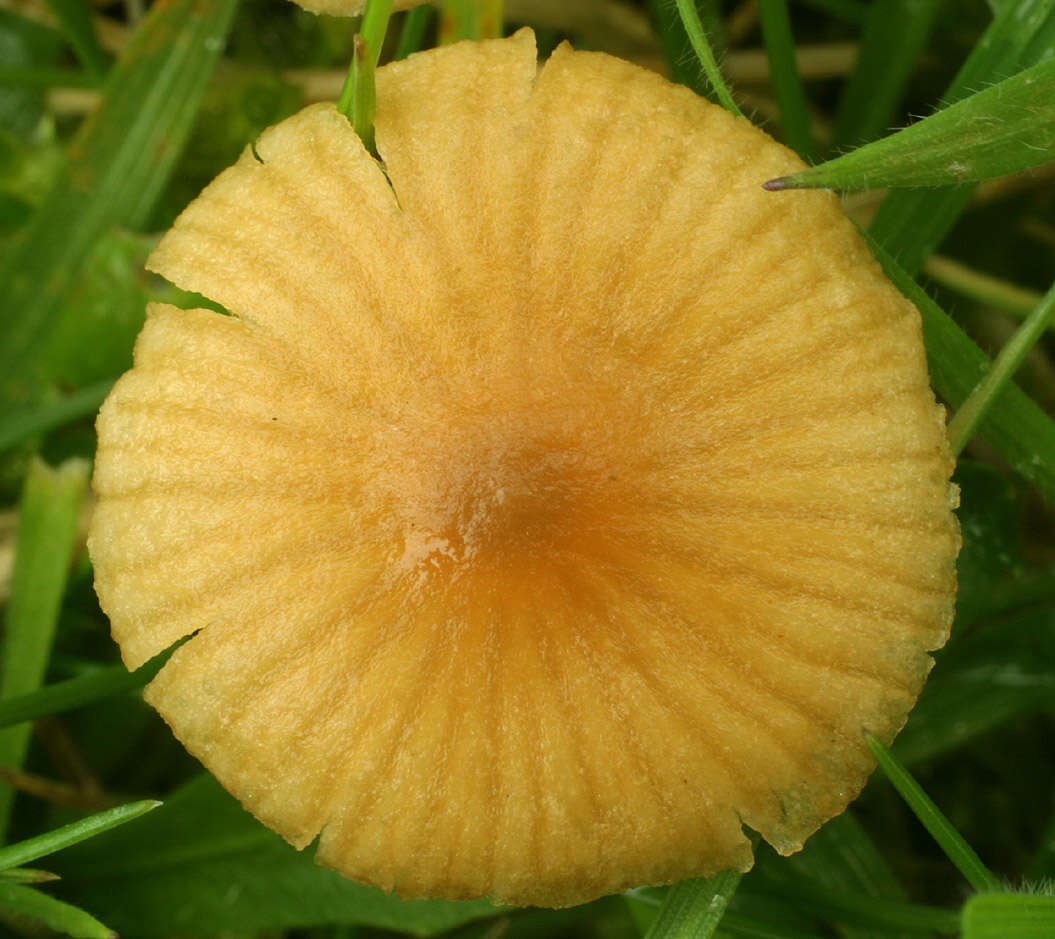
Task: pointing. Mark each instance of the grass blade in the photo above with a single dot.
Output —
(28, 875)
(52, 913)
(791, 99)
(694, 908)
(982, 288)
(119, 162)
(690, 18)
(895, 33)
(412, 34)
(982, 399)
(24, 425)
(77, 692)
(1007, 128)
(49, 511)
(15, 855)
(949, 839)
(910, 224)
(76, 20)
(1009, 916)
(1020, 430)
(358, 99)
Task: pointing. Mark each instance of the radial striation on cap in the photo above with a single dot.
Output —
(554, 503)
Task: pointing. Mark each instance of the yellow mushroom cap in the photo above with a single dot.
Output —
(554, 502)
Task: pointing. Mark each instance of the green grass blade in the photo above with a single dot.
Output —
(80, 691)
(895, 32)
(37, 77)
(76, 20)
(25, 424)
(1020, 430)
(694, 908)
(690, 18)
(412, 34)
(28, 875)
(15, 855)
(982, 288)
(1007, 128)
(949, 839)
(910, 224)
(358, 100)
(54, 914)
(982, 399)
(1009, 916)
(47, 527)
(791, 98)
(119, 162)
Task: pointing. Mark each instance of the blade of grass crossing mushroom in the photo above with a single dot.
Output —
(1015, 425)
(694, 908)
(15, 855)
(26, 424)
(949, 839)
(77, 692)
(894, 34)
(1007, 128)
(690, 17)
(47, 528)
(910, 224)
(780, 49)
(982, 288)
(358, 99)
(54, 914)
(1009, 916)
(970, 415)
(120, 161)
(76, 20)
(412, 34)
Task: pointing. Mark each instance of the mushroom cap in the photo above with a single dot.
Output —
(553, 502)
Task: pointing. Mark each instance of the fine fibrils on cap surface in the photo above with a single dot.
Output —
(554, 503)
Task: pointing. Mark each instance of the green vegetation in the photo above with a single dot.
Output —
(113, 116)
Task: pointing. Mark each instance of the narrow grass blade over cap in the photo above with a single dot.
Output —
(553, 502)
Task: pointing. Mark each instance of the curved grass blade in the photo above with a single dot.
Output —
(895, 32)
(1009, 916)
(26, 424)
(694, 908)
(690, 17)
(791, 98)
(910, 224)
(15, 855)
(983, 398)
(47, 528)
(120, 161)
(1015, 425)
(1007, 128)
(76, 20)
(949, 839)
(52, 913)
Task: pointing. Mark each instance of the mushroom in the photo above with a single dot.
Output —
(553, 503)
